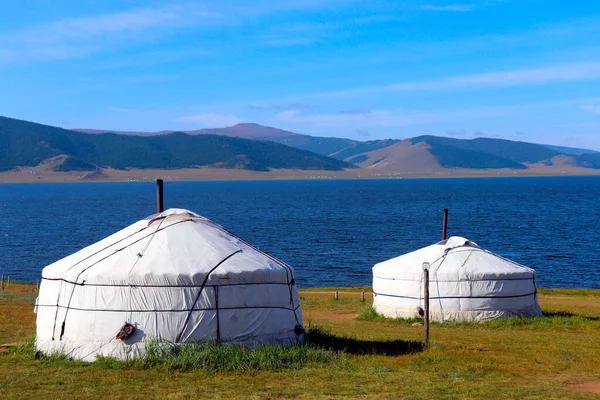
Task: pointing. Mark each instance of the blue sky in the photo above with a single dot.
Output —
(523, 70)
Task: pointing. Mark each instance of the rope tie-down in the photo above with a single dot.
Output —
(116, 251)
(178, 338)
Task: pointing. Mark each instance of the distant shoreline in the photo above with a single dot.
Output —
(31, 175)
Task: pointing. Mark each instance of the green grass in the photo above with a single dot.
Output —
(348, 289)
(211, 357)
(207, 356)
(13, 296)
(569, 292)
(369, 314)
(550, 319)
(351, 353)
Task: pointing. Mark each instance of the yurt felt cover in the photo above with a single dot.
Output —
(176, 277)
(466, 283)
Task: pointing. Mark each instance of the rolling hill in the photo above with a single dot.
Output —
(393, 155)
(339, 148)
(254, 147)
(434, 154)
(569, 150)
(25, 143)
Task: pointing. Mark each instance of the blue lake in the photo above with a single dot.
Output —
(331, 231)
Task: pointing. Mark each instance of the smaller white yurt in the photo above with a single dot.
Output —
(467, 283)
(173, 277)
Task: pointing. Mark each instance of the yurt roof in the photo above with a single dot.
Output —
(175, 247)
(449, 258)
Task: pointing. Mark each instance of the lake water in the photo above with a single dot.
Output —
(331, 231)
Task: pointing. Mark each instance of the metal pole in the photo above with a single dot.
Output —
(426, 300)
(445, 224)
(160, 205)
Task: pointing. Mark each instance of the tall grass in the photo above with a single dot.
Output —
(550, 319)
(369, 314)
(211, 357)
(28, 349)
(206, 356)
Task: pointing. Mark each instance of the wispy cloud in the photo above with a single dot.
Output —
(288, 42)
(314, 27)
(281, 107)
(358, 111)
(451, 7)
(124, 110)
(393, 120)
(79, 37)
(296, 34)
(592, 108)
(519, 77)
(210, 120)
(381, 118)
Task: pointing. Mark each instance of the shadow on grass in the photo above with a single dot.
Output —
(320, 338)
(566, 314)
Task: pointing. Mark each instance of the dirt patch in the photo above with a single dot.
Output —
(590, 387)
(4, 347)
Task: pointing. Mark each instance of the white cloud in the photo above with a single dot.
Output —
(378, 120)
(210, 120)
(124, 110)
(592, 108)
(281, 107)
(79, 37)
(288, 42)
(382, 118)
(519, 77)
(451, 7)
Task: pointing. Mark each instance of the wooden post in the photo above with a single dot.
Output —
(362, 297)
(445, 224)
(2, 281)
(426, 300)
(336, 295)
(160, 204)
(38, 285)
(8, 282)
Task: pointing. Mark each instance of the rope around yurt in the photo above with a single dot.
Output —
(75, 284)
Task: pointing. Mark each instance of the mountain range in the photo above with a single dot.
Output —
(24, 143)
(420, 154)
(259, 148)
(339, 148)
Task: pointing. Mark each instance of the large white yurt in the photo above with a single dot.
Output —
(174, 277)
(467, 283)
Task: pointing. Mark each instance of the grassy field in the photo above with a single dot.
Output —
(556, 357)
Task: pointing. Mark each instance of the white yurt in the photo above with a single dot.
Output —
(175, 277)
(467, 283)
